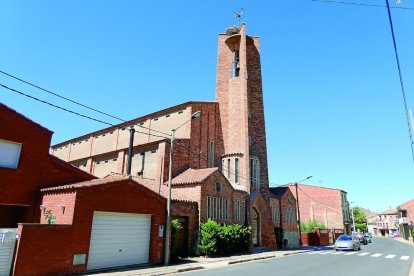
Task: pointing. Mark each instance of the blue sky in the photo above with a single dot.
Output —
(333, 103)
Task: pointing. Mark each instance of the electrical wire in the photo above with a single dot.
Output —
(77, 103)
(232, 172)
(53, 105)
(360, 4)
(315, 201)
(407, 116)
(70, 111)
(59, 96)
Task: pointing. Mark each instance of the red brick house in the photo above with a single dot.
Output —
(229, 135)
(283, 206)
(99, 223)
(83, 212)
(325, 205)
(26, 166)
(409, 208)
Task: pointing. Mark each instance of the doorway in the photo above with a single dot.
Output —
(256, 229)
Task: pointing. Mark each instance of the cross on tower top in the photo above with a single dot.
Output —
(239, 15)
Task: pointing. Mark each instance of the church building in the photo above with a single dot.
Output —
(220, 158)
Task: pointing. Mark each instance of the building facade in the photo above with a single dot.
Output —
(324, 205)
(22, 175)
(229, 135)
(283, 206)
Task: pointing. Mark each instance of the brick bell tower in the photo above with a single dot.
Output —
(240, 97)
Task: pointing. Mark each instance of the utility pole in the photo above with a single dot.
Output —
(131, 144)
(353, 219)
(297, 206)
(168, 218)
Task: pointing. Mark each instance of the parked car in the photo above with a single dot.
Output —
(347, 242)
(362, 239)
(367, 237)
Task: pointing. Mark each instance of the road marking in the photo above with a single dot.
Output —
(404, 258)
(363, 254)
(338, 253)
(351, 253)
(315, 252)
(390, 256)
(327, 252)
(376, 255)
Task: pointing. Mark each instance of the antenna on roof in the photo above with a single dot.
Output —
(239, 15)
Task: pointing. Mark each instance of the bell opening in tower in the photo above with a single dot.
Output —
(235, 72)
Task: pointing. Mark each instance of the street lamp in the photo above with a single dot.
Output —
(167, 223)
(353, 219)
(297, 206)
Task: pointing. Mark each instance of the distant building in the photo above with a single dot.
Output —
(384, 223)
(325, 205)
(406, 220)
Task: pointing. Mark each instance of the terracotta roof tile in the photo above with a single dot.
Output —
(86, 184)
(192, 176)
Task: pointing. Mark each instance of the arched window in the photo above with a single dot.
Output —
(254, 173)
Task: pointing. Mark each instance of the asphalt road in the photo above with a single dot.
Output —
(382, 257)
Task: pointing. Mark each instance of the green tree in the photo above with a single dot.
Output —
(310, 226)
(360, 219)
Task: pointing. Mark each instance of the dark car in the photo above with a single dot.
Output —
(362, 239)
(368, 237)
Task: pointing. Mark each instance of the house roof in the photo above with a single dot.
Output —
(313, 187)
(278, 191)
(68, 166)
(87, 184)
(192, 176)
(3, 106)
(406, 205)
(389, 212)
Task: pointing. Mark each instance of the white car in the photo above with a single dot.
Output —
(347, 242)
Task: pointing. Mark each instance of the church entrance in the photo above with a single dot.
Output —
(256, 231)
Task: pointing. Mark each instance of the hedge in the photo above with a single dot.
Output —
(223, 239)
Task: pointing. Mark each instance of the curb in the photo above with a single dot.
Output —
(265, 257)
(170, 271)
(190, 268)
(294, 253)
(249, 260)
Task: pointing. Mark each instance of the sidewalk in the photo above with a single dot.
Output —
(196, 263)
(409, 242)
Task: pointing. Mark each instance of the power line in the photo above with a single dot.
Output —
(77, 103)
(232, 172)
(327, 206)
(360, 4)
(401, 79)
(59, 96)
(70, 111)
(55, 106)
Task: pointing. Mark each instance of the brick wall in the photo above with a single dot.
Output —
(189, 210)
(61, 205)
(36, 168)
(321, 204)
(40, 245)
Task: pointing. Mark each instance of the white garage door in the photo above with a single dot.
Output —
(7, 241)
(119, 239)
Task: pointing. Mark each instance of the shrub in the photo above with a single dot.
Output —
(209, 237)
(223, 239)
(310, 226)
(176, 250)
